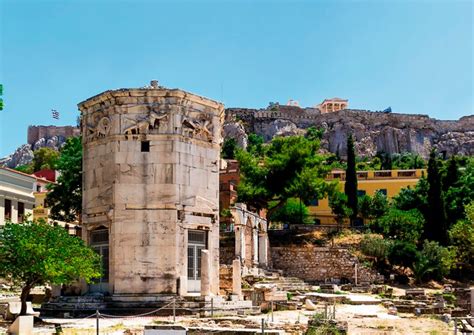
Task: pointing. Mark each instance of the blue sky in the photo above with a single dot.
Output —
(415, 56)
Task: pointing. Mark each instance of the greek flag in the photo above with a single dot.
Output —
(55, 114)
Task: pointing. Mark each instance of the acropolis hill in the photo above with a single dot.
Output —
(374, 131)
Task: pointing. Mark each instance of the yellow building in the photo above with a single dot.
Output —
(388, 182)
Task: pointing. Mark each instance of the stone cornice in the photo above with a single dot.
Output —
(149, 92)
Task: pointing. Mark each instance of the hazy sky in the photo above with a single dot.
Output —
(415, 56)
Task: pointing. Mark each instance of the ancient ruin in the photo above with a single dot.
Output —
(151, 190)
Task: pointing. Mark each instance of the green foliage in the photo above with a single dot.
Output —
(65, 197)
(436, 227)
(292, 212)
(1, 100)
(413, 198)
(228, 148)
(407, 161)
(373, 207)
(459, 193)
(255, 144)
(350, 186)
(441, 259)
(400, 225)
(385, 160)
(35, 254)
(314, 133)
(339, 207)
(45, 158)
(461, 236)
(288, 167)
(26, 168)
(225, 213)
(403, 253)
(376, 247)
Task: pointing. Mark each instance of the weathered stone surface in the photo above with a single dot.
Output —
(318, 264)
(151, 179)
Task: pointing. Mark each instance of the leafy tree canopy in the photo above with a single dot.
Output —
(45, 158)
(400, 225)
(288, 167)
(228, 148)
(33, 254)
(293, 212)
(373, 207)
(65, 197)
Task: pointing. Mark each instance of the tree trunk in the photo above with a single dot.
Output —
(25, 291)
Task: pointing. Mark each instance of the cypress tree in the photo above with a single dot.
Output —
(350, 187)
(435, 226)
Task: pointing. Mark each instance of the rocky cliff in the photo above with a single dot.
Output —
(24, 154)
(373, 131)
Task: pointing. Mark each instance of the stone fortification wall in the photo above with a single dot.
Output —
(37, 132)
(319, 264)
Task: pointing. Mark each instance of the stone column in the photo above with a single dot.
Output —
(239, 242)
(262, 250)
(255, 242)
(205, 273)
(236, 278)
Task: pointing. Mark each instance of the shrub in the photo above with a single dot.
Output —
(402, 253)
(375, 246)
(401, 225)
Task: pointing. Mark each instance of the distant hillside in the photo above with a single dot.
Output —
(39, 136)
(373, 131)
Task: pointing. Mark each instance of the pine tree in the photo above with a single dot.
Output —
(436, 226)
(350, 187)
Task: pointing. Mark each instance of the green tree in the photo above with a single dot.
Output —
(33, 254)
(228, 148)
(461, 236)
(371, 208)
(413, 198)
(400, 225)
(26, 168)
(350, 186)
(407, 160)
(255, 144)
(293, 212)
(314, 133)
(436, 227)
(288, 167)
(339, 207)
(402, 253)
(439, 260)
(45, 158)
(65, 197)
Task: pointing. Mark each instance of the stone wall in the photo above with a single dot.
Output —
(320, 264)
(37, 132)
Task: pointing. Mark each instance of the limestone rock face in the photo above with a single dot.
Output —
(23, 155)
(277, 127)
(373, 131)
(236, 131)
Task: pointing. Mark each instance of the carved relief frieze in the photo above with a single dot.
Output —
(199, 128)
(153, 123)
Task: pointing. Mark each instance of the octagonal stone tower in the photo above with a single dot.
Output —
(151, 189)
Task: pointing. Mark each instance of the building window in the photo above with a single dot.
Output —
(38, 188)
(145, 146)
(382, 191)
(21, 211)
(8, 209)
(360, 193)
(99, 241)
